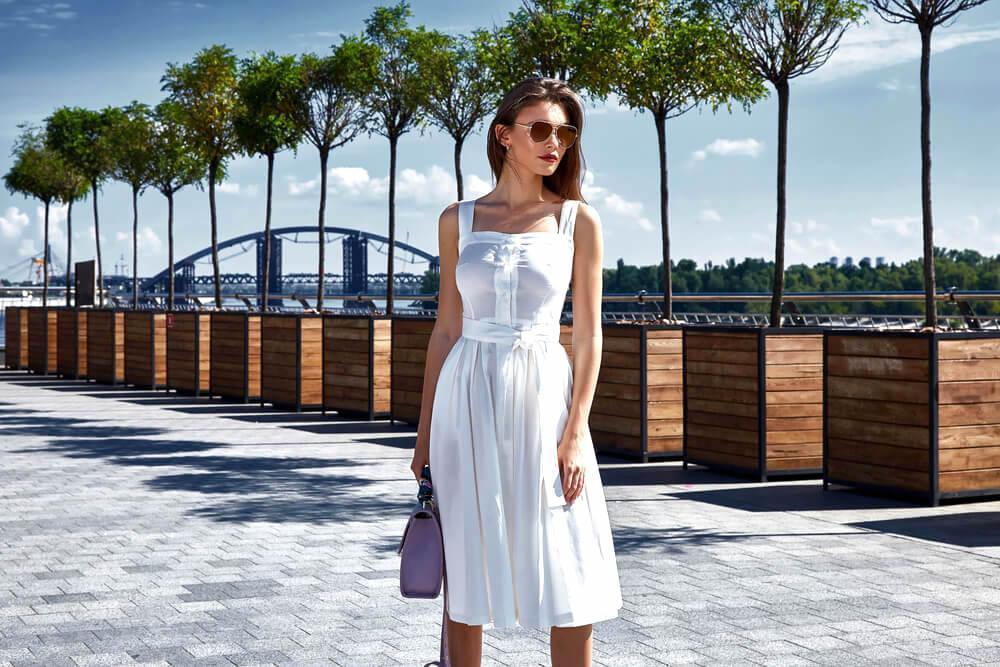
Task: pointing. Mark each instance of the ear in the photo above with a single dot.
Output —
(501, 130)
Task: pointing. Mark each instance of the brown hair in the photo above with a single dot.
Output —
(568, 176)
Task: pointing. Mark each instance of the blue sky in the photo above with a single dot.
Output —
(853, 152)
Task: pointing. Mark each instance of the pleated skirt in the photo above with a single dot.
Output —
(515, 554)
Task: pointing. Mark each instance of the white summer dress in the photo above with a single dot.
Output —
(515, 553)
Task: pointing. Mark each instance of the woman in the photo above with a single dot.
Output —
(503, 423)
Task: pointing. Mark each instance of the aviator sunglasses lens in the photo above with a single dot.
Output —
(542, 130)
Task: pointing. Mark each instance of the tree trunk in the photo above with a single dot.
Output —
(45, 260)
(135, 248)
(97, 242)
(267, 234)
(779, 232)
(213, 173)
(660, 119)
(930, 281)
(170, 249)
(69, 249)
(390, 291)
(324, 156)
(458, 167)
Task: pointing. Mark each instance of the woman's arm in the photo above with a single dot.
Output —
(587, 283)
(447, 329)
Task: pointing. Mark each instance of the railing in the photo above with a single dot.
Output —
(648, 304)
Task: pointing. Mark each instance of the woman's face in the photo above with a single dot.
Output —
(541, 157)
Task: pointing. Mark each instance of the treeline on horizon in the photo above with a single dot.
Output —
(961, 269)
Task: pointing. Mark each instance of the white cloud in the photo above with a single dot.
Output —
(614, 204)
(149, 242)
(121, 236)
(877, 45)
(415, 187)
(233, 188)
(727, 147)
(57, 220)
(709, 215)
(902, 226)
(13, 223)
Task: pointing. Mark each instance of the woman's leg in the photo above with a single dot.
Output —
(571, 646)
(465, 644)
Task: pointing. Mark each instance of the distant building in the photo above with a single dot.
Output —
(866, 262)
(834, 261)
(880, 262)
(848, 262)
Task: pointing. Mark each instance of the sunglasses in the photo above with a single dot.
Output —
(541, 130)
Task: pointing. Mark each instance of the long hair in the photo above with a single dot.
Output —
(567, 180)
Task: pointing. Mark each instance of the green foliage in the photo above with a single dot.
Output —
(38, 170)
(205, 91)
(462, 92)
(129, 140)
(668, 56)
(784, 39)
(330, 108)
(961, 269)
(405, 62)
(79, 136)
(563, 39)
(174, 163)
(268, 86)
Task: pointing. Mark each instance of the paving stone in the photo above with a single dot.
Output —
(145, 528)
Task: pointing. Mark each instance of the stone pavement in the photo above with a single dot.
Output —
(142, 527)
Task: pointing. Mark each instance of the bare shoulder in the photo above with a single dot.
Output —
(588, 222)
(449, 216)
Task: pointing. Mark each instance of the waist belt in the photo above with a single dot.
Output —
(509, 339)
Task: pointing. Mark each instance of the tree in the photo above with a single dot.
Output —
(130, 142)
(668, 57)
(37, 172)
(73, 186)
(926, 16)
(268, 86)
(79, 136)
(780, 40)
(462, 94)
(561, 39)
(406, 58)
(175, 165)
(205, 91)
(331, 110)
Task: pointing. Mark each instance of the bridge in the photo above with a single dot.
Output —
(355, 277)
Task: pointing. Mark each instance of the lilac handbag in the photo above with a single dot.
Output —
(421, 550)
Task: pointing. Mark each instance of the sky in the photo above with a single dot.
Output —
(853, 166)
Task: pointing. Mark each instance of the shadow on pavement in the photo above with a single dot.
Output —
(777, 497)
(972, 529)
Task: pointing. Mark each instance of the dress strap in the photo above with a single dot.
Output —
(465, 214)
(567, 221)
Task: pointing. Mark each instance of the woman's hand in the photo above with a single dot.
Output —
(421, 457)
(572, 466)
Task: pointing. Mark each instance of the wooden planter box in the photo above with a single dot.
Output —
(913, 415)
(146, 348)
(16, 335)
(235, 368)
(189, 351)
(638, 402)
(357, 365)
(410, 337)
(43, 349)
(753, 400)
(106, 346)
(72, 342)
(291, 373)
